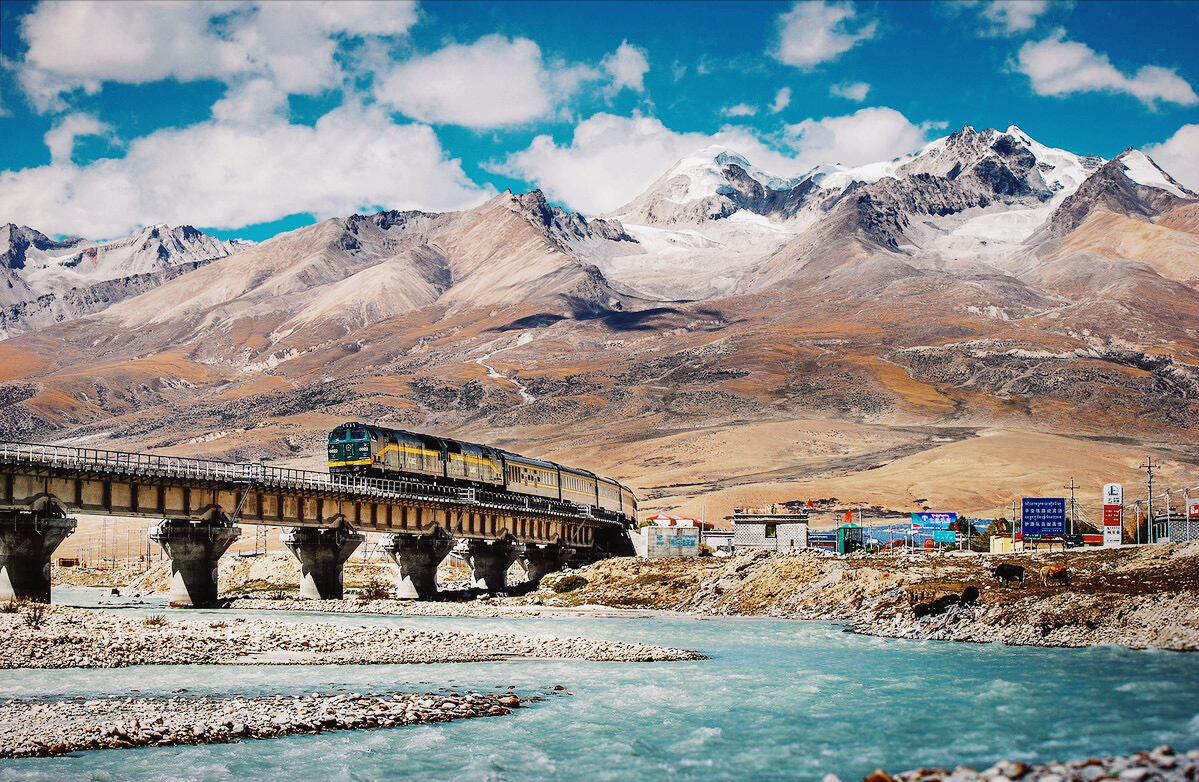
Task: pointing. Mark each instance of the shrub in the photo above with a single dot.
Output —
(34, 614)
(13, 606)
(374, 590)
(568, 584)
(155, 620)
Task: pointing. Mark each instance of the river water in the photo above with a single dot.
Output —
(778, 699)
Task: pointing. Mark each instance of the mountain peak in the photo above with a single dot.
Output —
(1141, 169)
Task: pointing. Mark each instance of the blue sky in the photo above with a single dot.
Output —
(247, 118)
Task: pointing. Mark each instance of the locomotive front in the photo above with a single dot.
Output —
(350, 449)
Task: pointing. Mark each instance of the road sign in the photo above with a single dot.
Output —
(1043, 515)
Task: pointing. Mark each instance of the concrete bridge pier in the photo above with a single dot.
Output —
(543, 558)
(27, 541)
(194, 549)
(489, 561)
(417, 557)
(322, 553)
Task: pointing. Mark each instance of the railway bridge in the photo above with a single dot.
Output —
(199, 504)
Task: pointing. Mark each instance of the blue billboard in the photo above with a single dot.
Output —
(931, 522)
(1043, 515)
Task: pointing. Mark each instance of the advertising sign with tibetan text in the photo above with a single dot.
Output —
(1043, 515)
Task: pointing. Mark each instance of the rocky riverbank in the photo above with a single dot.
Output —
(64, 637)
(37, 728)
(1162, 764)
(1142, 597)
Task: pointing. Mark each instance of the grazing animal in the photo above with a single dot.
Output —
(944, 602)
(1008, 572)
(1055, 572)
(969, 596)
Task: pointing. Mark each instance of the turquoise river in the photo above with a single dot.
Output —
(777, 700)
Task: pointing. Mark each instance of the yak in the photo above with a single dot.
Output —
(936, 607)
(1008, 572)
(969, 596)
(1057, 573)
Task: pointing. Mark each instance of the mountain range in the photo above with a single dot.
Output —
(728, 336)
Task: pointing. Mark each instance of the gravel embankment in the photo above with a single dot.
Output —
(1162, 764)
(34, 728)
(79, 638)
(1163, 621)
(1142, 597)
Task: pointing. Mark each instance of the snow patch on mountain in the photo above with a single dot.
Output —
(1140, 169)
(1011, 227)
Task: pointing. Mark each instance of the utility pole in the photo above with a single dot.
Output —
(1071, 488)
(1148, 465)
(1168, 511)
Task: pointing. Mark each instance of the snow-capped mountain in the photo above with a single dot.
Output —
(49, 281)
(714, 224)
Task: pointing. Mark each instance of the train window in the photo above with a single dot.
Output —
(359, 434)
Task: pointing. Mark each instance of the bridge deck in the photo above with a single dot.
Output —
(138, 484)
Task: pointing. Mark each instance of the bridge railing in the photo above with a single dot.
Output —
(248, 473)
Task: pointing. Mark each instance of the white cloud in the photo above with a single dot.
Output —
(627, 66)
(60, 139)
(611, 160)
(1178, 156)
(856, 91)
(83, 44)
(1060, 67)
(258, 101)
(782, 100)
(740, 110)
(491, 83)
(815, 32)
(496, 82)
(1008, 17)
(869, 135)
(231, 174)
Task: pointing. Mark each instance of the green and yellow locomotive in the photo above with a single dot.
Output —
(373, 451)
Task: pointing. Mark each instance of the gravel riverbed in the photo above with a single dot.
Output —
(39, 728)
(1161, 764)
(80, 638)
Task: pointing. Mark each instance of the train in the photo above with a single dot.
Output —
(378, 452)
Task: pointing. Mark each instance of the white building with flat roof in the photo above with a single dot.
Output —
(772, 528)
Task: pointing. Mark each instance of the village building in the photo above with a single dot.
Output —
(669, 536)
(772, 528)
